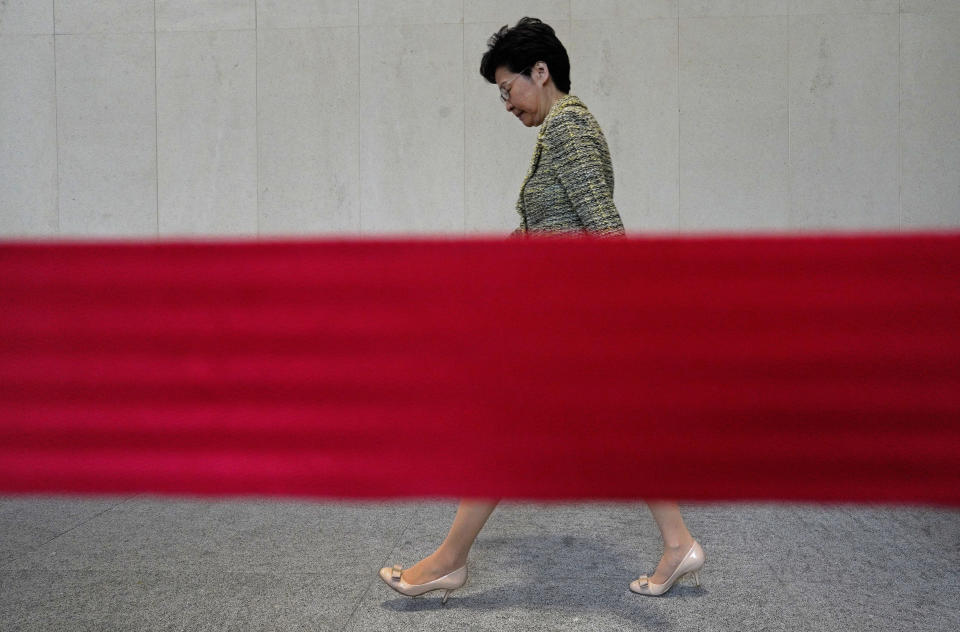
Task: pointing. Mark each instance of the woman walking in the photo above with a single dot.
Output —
(568, 189)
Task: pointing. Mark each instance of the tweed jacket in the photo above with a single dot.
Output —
(569, 185)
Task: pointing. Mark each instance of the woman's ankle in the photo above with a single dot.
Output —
(450, 559)
(680, 544)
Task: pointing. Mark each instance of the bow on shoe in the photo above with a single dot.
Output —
(642, 580)
(395, 572)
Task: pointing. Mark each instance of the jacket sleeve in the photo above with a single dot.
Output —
(576, 149)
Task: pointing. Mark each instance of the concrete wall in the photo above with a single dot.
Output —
(144, 118)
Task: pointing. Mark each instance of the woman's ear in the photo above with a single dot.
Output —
(541, 73)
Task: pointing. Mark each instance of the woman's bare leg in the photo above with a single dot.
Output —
(452, 554)
(472, 515)
(676, 538)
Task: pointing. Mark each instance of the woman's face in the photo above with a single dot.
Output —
(526, 94)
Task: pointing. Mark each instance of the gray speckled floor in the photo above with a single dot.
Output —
(159, 563)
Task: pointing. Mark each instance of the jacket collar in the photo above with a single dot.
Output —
(558, 106)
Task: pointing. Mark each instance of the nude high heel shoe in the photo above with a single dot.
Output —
(449, 582)
(691, 563)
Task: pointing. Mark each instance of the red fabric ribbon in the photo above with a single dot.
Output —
(821, 368)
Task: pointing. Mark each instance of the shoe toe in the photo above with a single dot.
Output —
(385, 573)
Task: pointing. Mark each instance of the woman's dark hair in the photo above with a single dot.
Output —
(522, 46)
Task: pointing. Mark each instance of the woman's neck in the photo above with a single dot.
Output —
(550, 96)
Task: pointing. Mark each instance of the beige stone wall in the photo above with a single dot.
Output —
(166, 118)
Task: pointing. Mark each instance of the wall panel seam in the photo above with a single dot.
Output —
(791, 218)
(156, 116)
(256, 106)
(900, 118)
(56, 111)
(463, 108)
(359, 137)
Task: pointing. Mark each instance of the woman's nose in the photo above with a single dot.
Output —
(508, 105)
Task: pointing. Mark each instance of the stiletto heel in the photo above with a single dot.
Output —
(449, 582)
(692, 562)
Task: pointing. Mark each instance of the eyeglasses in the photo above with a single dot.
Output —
(505, 90)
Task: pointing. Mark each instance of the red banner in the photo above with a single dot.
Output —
(821, 368)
